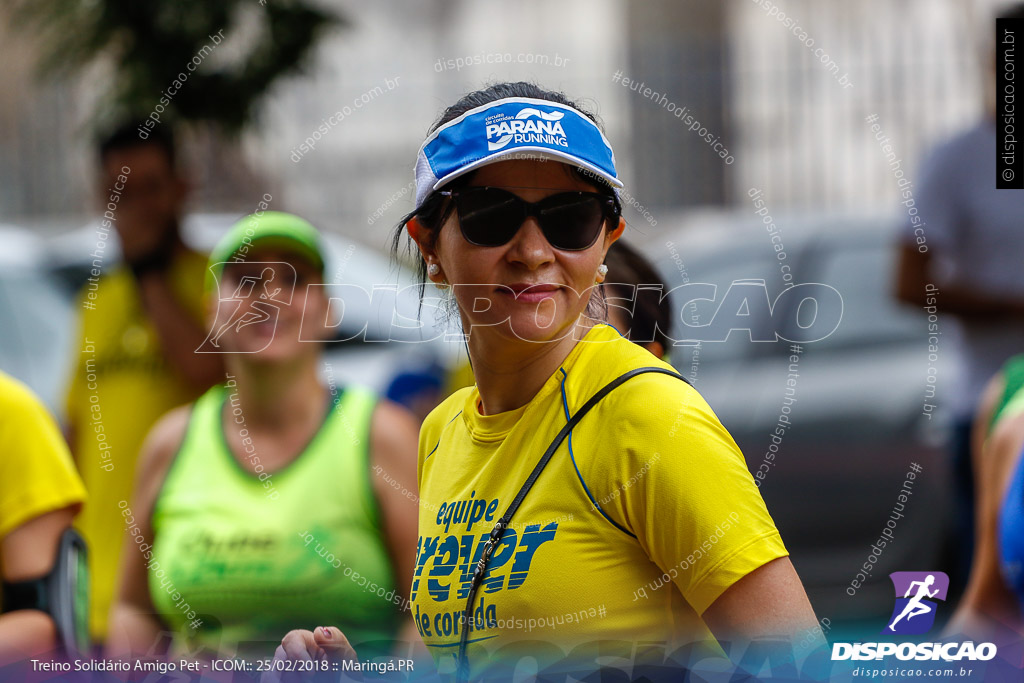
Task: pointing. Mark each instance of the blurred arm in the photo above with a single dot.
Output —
(179, 334)
(27, 553)
(72, 397)
(979, 429)
(134, 624)
(394, 439)
(988, 608)
(914, 270)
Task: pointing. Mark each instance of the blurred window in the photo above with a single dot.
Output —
(863, 277)
(720, 268)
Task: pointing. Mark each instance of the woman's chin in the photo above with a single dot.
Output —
(281, 350)
(536, 329)
(264, 349)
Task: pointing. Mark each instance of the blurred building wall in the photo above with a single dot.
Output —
(37, 137)
(678, 64)
(802, 137)
(362, 163)
(793, 130)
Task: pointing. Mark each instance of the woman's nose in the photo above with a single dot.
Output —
(529, 246)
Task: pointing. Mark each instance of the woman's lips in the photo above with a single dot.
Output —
(529, 292)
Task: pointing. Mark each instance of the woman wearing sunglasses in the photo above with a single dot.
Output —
(641, 531)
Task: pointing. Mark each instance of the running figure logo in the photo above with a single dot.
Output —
(914, 612)
(255, 299)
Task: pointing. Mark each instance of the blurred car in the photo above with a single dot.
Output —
(35, 336)
(857, 421)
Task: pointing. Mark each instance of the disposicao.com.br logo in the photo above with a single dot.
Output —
(914, 614)
(917, 597)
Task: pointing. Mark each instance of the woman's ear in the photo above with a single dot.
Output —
(421, 236)
(617, 232)
(612, 235)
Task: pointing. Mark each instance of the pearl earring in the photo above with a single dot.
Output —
(602, 270)
(433, 269)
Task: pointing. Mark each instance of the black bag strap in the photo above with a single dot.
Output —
(499, 528)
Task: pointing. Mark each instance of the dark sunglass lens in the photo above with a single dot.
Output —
(488, 217)
(572, 221)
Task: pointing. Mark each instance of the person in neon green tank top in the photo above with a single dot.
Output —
(644, 539)
(259, 508)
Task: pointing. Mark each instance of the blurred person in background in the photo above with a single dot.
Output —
(992, 608)
(40, 493)
(642, 313)
(418, 387)
(272, 501)
(140, 324)
(529, 236)
(960, 254)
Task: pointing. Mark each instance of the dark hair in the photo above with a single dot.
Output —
(436, 208)
(126, 136)
(652, 315)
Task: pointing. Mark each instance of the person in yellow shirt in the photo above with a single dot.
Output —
(140, 324)
(40, 493)
(638, 534)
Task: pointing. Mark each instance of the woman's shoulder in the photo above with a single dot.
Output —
(165, 438)
(446, 410)
(18, 402)
(652, 410)
(157, 455)
(658, 405)
(645, 395)
(1001, 457)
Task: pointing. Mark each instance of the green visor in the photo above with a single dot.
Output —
(276, 229)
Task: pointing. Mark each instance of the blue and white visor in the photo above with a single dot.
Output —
(518, 127)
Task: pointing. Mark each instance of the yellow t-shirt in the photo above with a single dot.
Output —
(645, 515)
(36, 472)
(121, 385)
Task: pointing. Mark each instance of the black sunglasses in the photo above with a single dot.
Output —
(570, 221)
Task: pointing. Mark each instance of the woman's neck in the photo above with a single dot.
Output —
(510, 371)
(279, 395)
